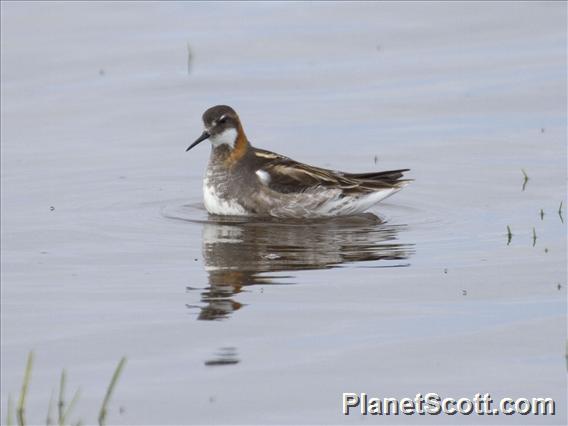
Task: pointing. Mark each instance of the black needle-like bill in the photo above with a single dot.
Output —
(200, 139)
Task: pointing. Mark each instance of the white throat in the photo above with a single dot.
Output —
(228, 137)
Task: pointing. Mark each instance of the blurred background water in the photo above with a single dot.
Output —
(107, 250)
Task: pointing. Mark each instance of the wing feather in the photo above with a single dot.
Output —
(289, 176)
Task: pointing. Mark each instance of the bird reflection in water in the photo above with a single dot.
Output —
(244, 253)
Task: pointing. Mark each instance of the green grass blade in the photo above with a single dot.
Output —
(526, 179)
(71, 405)
(49, 418)
(111, 386)
(61, 402)
(25, 385)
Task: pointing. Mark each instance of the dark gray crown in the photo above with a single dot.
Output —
(219, 118)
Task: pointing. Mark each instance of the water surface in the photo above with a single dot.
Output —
(107, 251)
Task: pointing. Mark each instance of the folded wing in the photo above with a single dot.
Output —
(285, 175)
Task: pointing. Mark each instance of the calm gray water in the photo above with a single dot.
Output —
(107, 250)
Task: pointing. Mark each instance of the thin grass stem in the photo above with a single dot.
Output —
(71, 405)
(61, 401)
(21, 412)
(49, 418)
(526, 178)
(111, 386)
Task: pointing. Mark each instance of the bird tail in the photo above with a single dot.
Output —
(390, 177)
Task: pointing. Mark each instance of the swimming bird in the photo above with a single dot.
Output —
(242, 180)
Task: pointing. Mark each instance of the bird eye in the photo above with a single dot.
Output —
(222, 119)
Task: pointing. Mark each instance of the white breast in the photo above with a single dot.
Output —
(217, 205)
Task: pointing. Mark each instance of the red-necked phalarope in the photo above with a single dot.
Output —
(246, 181)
